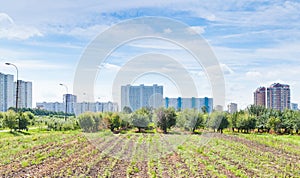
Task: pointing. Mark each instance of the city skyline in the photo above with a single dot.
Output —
(261, 96)
(255, 42)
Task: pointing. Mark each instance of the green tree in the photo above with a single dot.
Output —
(1, 119)
(166, 118)
(296, 122)
(114, 122)
(204, 109)
(87, 122)
(233, 119)
(274, 123)
(140, 120)
(127, 110)
(218, 121)
(10, 120)
(23, 119)
(190, 119)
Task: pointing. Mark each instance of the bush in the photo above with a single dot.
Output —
(10, 120)
(140, 120)
(87, 122)
(165, 118)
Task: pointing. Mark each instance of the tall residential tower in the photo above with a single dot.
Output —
(140, 96)
(260, 97)
(279, 96)
(6, 91)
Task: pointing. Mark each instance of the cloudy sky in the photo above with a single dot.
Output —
(257, 43)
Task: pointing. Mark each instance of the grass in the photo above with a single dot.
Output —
(68, 153)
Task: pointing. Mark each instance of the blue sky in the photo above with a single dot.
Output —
(257, 42)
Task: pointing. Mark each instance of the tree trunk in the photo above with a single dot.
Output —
(139, 129)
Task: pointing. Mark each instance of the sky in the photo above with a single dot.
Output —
(257, 43)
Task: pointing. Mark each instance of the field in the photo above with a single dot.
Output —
(103, 154)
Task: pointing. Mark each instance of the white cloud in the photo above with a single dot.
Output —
(253, 75)
(10, 30)
(89, 32)
(198, 29)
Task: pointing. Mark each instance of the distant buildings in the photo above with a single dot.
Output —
(6, 91)
(232, 108)
(279, 96)
(218, 108)
(51, 106)
(24, 94)
(190, 103)
(140, 96)
(78, 108)
(70, 102)
(260, 96)
(294, 106)
(96, 107)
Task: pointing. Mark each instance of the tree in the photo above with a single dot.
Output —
(87, 122)
(140, 120)
(246, 122)
(274, 123)
(10, 120)
(233, 119)
(218, 121)
(114, 122)
(204, 109)
(190, 119)
(127, 110)
(24, 121)
(166, 118)
(1, 119)
(296, 122)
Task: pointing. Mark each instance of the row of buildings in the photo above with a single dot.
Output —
(136, 97)
(8, 92)
(277, 96)
(71, 106)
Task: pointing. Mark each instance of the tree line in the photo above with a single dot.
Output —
(254, 118)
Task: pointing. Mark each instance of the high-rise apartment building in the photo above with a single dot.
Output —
(190, 103)
(51, 106)
(70, 102)
(140, 96)
(260, 96)
(24, 94)
(6, 91)
(279, 96)
(232, 108)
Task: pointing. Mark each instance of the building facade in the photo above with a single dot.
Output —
(232, 108)
(70, 102)
(294, 106)
(79, 108)
(279, 96)
(140, 96)
(96, 107)
(6, 91)
(24, 94)
(51, 106)
(189, 103)
(260, 97)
